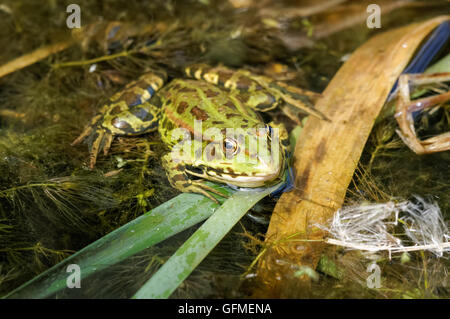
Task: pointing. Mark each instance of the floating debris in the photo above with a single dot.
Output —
(371, 227)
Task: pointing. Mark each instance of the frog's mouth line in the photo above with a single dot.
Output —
(242, 179)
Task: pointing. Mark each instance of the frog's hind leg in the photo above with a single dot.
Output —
(260, 92)
(128, 113)
(249, 91)
(296, 99)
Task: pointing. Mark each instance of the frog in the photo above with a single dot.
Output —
(216, 98)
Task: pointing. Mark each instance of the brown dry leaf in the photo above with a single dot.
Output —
(327, 153)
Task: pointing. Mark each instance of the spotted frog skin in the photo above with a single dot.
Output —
(221, 99)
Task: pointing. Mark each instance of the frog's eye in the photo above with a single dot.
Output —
(230, 146)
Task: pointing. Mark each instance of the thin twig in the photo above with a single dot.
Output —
(34, 56)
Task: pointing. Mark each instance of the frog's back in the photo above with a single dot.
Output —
(184, 101)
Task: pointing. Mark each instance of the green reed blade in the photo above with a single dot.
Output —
(160, 223)
(174, 271)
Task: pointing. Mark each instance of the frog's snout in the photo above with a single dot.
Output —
(269, 165)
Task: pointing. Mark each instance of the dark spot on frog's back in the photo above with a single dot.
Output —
(170, 126)
(211, 93)
(182, 106)
(131, 98)
(115, 110)
(199, 114)
(156, 101)
(224, 76)
(243, 83)
(243, 97)
(230, 105)
(230, 115)
(186, 90)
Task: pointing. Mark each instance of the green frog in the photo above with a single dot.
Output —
(210, 123)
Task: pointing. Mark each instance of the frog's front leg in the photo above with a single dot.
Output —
(128, 113)
(260, 92)
(179, 178)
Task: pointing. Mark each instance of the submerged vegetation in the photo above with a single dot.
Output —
(52, 205)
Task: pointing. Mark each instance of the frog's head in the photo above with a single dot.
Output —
(251, 159)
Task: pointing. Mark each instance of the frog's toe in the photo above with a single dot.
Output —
(108, 141)
(202, 188)
(100, 140)
(199, 190)
(82, 136)
(97, 137)
(87, 130)
(95, 147)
